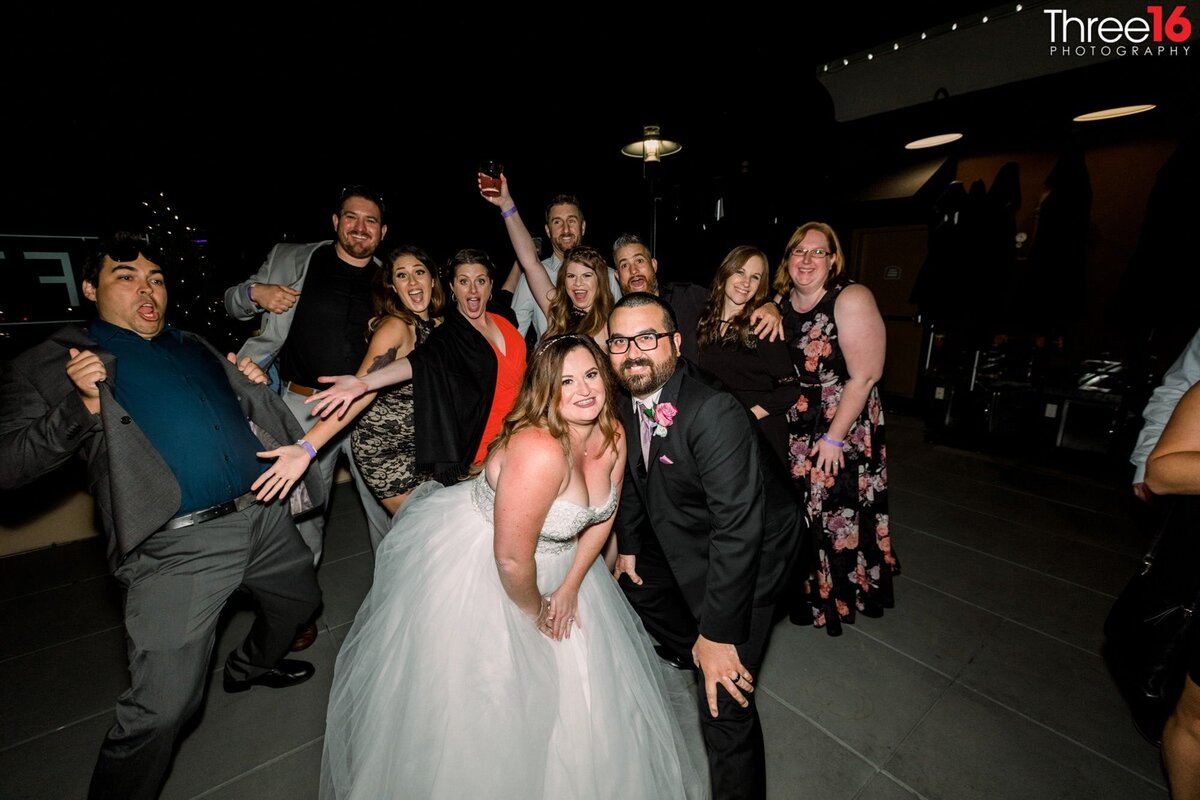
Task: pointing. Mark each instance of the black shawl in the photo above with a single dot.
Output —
(454, 381)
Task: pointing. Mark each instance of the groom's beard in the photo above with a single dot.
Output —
(647, 382)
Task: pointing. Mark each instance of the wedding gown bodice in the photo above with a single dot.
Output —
(564, 520)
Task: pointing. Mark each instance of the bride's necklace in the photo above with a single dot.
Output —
(583, 442)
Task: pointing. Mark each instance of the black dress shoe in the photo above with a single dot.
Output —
(286, 673)
(673, 659)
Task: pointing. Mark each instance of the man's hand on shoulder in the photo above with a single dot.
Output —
(85, 369)
(247, 367)
(767, 322)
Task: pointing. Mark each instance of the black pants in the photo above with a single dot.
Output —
(733, 739)
(176, 584)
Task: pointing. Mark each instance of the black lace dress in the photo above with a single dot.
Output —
(855, 561)
(383, 438)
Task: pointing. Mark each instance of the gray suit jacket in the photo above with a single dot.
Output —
(286, 264)
(43, 423)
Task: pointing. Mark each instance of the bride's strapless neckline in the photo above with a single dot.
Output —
(612, 496)
(564, 520)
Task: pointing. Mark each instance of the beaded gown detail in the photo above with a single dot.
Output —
(444, 689)
(855, 561)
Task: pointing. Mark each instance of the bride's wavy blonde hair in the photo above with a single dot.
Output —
(541, 391)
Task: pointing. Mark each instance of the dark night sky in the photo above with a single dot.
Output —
(252, 121)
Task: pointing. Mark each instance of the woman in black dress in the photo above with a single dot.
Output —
(1174, 468)
(758, 371)
(835, 430)
(408, 301)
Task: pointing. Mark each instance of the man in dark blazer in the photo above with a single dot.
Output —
(169, 430)
(705, 536)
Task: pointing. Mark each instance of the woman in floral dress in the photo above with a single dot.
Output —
(836, 447)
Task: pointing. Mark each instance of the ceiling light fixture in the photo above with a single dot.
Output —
(651, 147)
(933, 141)
(1111, 113)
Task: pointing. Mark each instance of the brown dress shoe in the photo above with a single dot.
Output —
(305, 638)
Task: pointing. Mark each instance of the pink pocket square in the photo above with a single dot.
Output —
(665, 460)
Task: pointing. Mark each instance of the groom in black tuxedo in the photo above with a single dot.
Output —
(704, 544)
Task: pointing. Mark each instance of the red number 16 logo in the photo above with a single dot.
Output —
(1177, 27)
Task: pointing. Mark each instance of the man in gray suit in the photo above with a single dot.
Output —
(315, 301)
(169, 430)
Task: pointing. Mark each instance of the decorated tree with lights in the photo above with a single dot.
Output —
(196, 293)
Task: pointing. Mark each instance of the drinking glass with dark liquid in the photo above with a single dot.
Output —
(489, 184)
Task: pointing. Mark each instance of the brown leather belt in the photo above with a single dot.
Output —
(303, 391)
(210, 513)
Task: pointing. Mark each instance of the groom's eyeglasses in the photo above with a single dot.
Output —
(644, 341)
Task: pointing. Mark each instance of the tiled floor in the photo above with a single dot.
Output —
(983, 682)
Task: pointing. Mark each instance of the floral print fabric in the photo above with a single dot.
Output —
(855, 560)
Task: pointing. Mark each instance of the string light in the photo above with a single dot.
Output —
(198, 299)
(902, 44)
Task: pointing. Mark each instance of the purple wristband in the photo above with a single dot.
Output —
(832, 441)
(509, 213)
(249, 290)
(308, 448)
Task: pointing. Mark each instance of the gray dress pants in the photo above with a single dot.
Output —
(175, 585)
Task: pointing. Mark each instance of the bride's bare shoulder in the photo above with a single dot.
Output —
(532, 447)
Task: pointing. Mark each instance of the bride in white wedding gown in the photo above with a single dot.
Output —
(494, 656)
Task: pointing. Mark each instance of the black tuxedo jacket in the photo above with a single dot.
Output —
(728, 527)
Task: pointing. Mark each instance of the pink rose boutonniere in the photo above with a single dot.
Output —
(663, 415)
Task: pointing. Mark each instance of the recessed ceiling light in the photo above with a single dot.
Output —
(933, 141)
(1110, 113)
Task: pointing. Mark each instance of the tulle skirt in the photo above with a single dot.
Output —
(444, 689)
